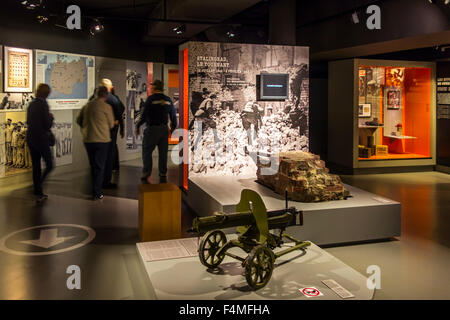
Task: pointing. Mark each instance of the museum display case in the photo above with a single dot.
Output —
(389, 113)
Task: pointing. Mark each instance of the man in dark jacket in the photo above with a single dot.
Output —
(120, 113)
(118, 110)
(39, 136)
(157, 110)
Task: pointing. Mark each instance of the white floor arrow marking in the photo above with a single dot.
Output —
(48, 238)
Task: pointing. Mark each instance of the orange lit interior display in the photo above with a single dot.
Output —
(394, 113)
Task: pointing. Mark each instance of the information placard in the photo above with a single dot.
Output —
(18, 70)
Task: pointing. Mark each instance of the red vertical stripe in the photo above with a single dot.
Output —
(184, 115)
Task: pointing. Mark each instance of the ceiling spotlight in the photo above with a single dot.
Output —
(180, 29)
(355, 17)
(42, 18)
(96, 27)
(43, 15)
(31, 4)
(447, 1)
(231, 34)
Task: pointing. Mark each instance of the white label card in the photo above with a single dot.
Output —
(338, 289)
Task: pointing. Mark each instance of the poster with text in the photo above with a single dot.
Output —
(71, 78)
(18, 70)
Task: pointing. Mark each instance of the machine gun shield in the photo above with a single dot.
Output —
(252, 202)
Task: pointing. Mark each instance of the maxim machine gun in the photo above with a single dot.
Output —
(253, 222)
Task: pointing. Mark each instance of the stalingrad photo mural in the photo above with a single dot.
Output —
(228, 121)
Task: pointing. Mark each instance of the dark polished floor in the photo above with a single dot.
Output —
(110, 268)
(414, 266)
(425, 199)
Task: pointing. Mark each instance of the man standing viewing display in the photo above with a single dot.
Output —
(96, 120)
(39, 138)
(118, 110)
(157, 110)
(120, 114)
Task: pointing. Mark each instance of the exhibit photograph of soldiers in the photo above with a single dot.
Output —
(63, 146)
(236, 125)
(15, 101)
(136, 94)
(15, 155)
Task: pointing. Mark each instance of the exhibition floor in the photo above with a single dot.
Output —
(415, 266)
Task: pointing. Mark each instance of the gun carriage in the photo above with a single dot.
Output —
(254, 224)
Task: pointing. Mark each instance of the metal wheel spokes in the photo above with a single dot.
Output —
(209, 246)
(259, 267)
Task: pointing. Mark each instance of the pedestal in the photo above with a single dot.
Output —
(159, 212)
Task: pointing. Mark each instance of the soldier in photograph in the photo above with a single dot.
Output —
(57, 131)
(21, 145)
(27, 149)
(5, 102)
(251, 114)
(8, 139)
(2, 144)
(205, 114)
(14, 144)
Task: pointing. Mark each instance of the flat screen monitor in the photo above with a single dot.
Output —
(274, 86)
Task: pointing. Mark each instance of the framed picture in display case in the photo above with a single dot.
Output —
(393, 98)
(362, 82)
(18, 70)
(365, 110)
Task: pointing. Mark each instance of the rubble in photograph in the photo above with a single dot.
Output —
(231, 154)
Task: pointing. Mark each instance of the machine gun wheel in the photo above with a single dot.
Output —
(259, 267)
(211, 242)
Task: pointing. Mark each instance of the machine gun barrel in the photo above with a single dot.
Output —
(221, 221)
(276, 219)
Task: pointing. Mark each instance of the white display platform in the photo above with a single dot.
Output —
(364, 216)
(188, 279)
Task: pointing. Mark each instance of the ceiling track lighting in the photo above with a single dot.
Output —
(31, 4)
(43, 15)
(96, 27)
(231, 34)
(180, 29)
(42, 18)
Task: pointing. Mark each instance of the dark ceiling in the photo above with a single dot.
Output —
(151, 22)
(157, 18)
